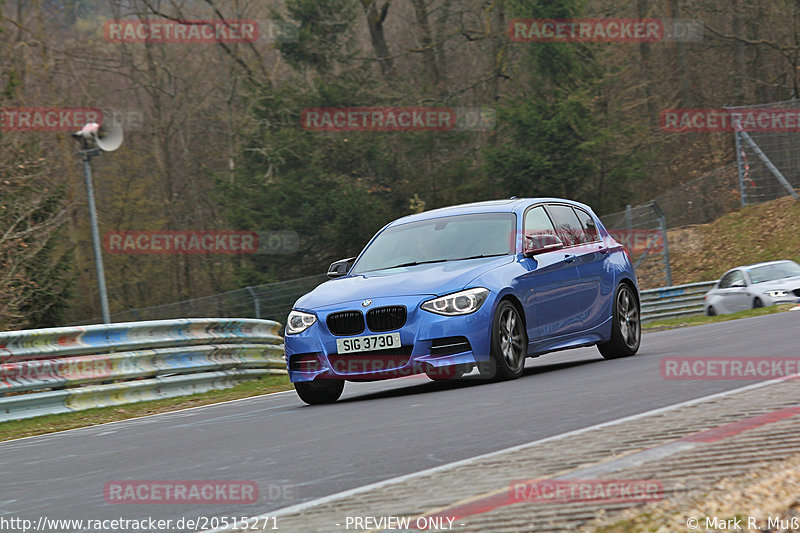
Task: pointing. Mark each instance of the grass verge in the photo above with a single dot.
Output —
(40, 425)
(679, 322)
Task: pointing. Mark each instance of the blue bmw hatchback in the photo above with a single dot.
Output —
(478, 285)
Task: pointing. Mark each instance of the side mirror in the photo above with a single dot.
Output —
(340, 268)
(539, 244)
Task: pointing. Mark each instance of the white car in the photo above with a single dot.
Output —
(751, 286)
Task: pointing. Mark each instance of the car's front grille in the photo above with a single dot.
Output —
(449, 346)
(366, 362)
(386, 318)
(346, 323)
(796, 292)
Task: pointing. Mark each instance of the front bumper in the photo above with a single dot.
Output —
(316, 348)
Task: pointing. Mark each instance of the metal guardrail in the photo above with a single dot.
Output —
(678, 300)
(59, 370)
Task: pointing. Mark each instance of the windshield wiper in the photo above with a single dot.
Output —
(414, 263)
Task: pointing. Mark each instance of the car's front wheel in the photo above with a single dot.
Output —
(757, 303)
(509, 343)
(626, 330)
(320, 391)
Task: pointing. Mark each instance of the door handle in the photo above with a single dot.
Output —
(569, 258)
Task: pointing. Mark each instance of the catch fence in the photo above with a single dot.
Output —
(767, 155)
(271, 301)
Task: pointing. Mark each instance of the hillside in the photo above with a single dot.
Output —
(755, 233)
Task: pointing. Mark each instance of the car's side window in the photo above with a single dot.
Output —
(732, 279)
(738, 279)
(537, 223)
(567, 224)
(588, 225)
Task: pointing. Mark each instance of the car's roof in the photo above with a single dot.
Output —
(509, 205)
(765, 263)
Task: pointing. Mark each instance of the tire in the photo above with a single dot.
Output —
(757, 303)
(509, 344)
(321, 391)
(626, 327)
(711, 312)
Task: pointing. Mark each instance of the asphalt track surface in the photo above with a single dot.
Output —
(297, 453)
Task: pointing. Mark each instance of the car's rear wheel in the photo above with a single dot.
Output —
(757, 303)
(711, 311)
(509, 343)
(626, 330)
(320, 391)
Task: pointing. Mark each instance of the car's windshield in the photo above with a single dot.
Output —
(765, 273)
(441, 239)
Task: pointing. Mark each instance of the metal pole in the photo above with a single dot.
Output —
(98, 254)
(256, 301)
(662, 225)
(742, 188)
(662, 222)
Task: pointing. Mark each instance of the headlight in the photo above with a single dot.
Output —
(777, 294)
(458, 303)
(298, 322)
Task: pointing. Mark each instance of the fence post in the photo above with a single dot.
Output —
(628, 217)
(662, 222)
(662, 225)
(256, 301)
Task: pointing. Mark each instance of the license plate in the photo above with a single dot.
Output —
(368, 343)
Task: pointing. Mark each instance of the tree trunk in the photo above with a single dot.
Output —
(375, 19)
